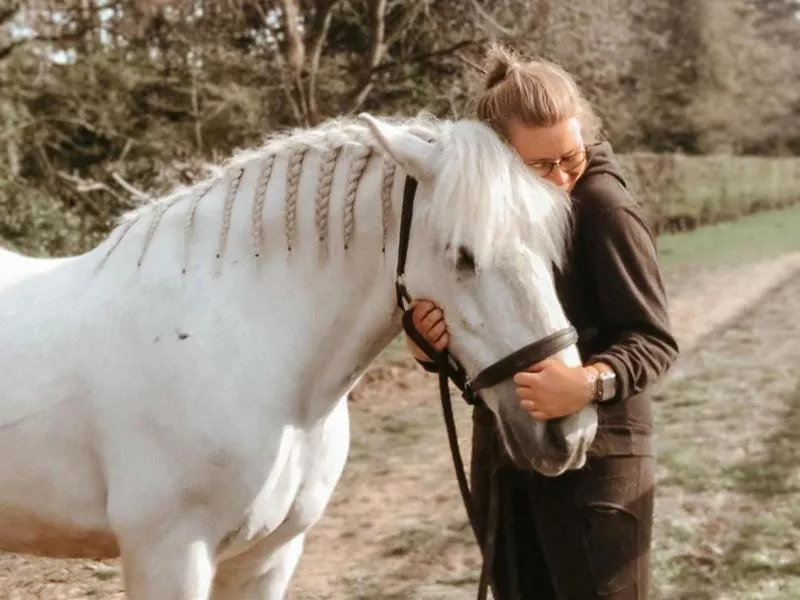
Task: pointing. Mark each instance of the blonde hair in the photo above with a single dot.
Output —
(534, 92)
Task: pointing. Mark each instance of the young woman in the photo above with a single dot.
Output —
(585, 534)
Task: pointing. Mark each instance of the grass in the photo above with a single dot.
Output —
(757, 236)
(728, 485)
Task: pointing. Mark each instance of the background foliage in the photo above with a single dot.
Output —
(103, 102)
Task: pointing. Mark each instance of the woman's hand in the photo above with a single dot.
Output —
(428, 320)
(550, 389)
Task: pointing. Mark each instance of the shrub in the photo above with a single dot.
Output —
(683, 192)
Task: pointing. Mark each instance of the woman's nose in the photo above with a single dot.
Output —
(559, 177)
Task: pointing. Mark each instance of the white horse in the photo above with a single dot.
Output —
(177, 395)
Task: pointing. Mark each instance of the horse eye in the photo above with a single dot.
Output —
(466, 261)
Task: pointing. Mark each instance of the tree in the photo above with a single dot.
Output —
(104, 97)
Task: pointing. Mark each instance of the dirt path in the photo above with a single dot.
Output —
(395, 527)
(728, 476)
(702, 301)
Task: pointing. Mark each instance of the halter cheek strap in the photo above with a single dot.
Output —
(409, 189)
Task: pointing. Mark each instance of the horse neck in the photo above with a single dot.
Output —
(343, 281)
(320, 266)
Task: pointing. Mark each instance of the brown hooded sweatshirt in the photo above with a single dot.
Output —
(613, 293)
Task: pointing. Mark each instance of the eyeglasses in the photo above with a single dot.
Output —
(568, 164)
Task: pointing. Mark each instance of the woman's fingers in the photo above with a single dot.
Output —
(421, 308)
(428, 319)
(420, 312)
(437, 335)
(436, 331)
(432, 318)
(442, 342)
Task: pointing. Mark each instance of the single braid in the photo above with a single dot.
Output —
(158, 214)
(258, 204)
(323, 197)
(190, 218)
(353, 179)
(293, 184)
(230, 197)
(124, 229)
(389, 169)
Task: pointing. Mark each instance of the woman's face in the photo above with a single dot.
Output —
(556, 153)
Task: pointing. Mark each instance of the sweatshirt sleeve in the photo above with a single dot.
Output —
(632, 299)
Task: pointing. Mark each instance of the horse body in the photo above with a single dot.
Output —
(177, 395)
(135, 407)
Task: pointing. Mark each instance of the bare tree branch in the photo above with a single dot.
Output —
(198, 123)
(492, 24)
(295, 51)
(85, 187)
(297, 112)
(316, 40)
(133, 191)
(427, 56)
(405, 22)
(295, 48)
(377, 31)
(8, 12)
(6, 50)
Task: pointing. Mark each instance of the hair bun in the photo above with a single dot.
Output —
(497, 64)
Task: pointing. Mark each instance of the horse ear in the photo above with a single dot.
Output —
(411, 152)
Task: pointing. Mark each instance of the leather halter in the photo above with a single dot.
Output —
(449, 368)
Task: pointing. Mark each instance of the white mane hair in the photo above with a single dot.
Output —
(484, 197)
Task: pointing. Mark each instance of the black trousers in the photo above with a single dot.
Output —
(585, 534)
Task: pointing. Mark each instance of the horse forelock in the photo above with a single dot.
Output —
(485, 198)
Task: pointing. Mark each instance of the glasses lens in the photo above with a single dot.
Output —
(573, 162)
(542, 169)
(567, 164)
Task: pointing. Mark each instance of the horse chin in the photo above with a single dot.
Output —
(553, 465)
(549, 447)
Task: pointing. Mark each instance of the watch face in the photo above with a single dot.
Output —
(608, 384)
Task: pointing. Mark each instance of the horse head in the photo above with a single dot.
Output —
(484, 239)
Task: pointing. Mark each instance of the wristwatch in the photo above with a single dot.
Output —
(605, 384)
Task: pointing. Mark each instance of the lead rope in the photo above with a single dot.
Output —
(490, 543)
(511, 547)
(446, 372)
